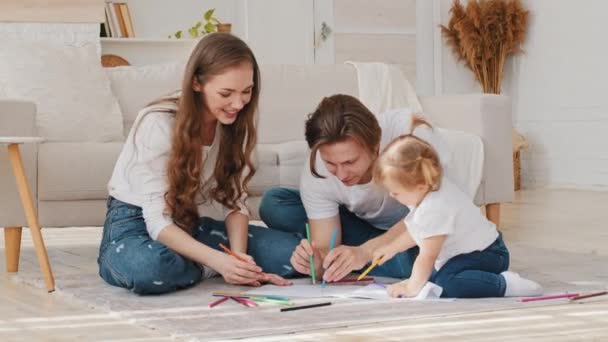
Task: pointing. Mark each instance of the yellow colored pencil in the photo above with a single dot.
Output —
(374, 264)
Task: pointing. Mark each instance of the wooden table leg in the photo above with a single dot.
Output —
(12, 246)
(30, 215)
(493, 213)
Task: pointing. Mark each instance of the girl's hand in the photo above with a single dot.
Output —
(300, 258)
(237, 272)
(385, 252)
(404, 288)
(342, 260)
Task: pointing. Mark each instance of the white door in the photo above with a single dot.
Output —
(279, 31)
(366, 31)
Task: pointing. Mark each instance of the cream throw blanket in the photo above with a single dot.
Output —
(383, 87)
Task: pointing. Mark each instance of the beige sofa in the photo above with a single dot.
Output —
(69, 179)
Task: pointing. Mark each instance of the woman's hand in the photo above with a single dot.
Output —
(300, 258)
(342, 260)
(266, 278)
(404, 288)
(235, 271)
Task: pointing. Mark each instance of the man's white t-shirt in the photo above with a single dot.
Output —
(322, 197)
(449, 211)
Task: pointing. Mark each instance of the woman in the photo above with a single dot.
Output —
(336, 191)
(186, 149)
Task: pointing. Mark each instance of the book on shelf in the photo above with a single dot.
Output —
(118, 20)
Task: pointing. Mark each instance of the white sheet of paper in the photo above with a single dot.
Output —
(430, 291)
(305, 291)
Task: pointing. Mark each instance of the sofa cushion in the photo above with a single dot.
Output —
(75, 171)
(137, 86)
(69, 171)
(69, 87)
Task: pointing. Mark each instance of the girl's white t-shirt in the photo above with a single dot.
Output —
(140, 174)
(322, 197)
(449, 211)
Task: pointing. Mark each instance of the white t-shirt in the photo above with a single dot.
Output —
(322, 197)
(140, 173)
(449, 211)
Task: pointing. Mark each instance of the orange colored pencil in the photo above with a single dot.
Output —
(227, 250)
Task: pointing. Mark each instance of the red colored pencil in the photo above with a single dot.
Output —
(590, 295)
(244, 301)
(218, 302)
(227, 250)
(565, 295)
(352, 280)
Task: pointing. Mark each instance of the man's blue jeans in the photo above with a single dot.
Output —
(129, 258)
(282, 209)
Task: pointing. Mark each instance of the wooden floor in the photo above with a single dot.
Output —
(566, 220)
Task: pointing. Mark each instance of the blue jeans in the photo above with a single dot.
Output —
(475, 274)
(282, 209)
(129, 258)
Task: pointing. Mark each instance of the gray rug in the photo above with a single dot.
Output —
(185, 314)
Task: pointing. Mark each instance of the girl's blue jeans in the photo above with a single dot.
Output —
(475, 274)
(129, 258)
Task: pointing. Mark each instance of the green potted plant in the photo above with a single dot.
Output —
(209, 24)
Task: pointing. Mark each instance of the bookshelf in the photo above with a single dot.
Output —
(143, 51)
(154, 20)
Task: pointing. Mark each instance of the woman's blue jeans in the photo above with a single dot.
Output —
(129, 258)
(282, 209)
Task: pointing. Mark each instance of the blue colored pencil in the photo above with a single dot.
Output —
(331, 246)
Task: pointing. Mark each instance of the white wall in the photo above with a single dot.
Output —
(558, 89)
(160, 18)
(278, 31)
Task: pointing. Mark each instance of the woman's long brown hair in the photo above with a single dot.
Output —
(212, 56)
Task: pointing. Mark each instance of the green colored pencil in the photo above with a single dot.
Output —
(312, 264)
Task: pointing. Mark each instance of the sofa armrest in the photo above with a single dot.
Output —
(489, 117)
(17, 118)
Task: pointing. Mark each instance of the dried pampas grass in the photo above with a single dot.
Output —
(483, 34)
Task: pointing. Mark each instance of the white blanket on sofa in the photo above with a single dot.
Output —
(383, 87)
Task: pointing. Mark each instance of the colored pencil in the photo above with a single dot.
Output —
(306, 306)
(590, 295)
(245, 302)
(331, 246)
(270, 300)
(312, 264)
(218, 302)
(533, 299)
(246, 295)
(227, 250)
(369, 268)
(352, 280)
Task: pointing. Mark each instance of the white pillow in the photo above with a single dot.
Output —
(71, 91)
(136, 86)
